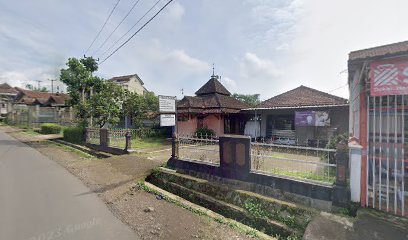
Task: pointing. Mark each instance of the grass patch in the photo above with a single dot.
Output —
(71, 149)
(305, 175)
(140, 143)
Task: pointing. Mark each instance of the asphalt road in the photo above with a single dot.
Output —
(40, 200)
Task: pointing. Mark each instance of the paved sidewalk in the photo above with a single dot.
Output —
(369, 224)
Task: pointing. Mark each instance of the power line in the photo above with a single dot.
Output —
(144, 25)
(114, 30)
(103, 26)
(338, 88)
(134, 25)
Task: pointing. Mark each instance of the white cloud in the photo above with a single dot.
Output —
(175, 12)
(15, 79)
(230, 84)
(254, 67)
(183, 60)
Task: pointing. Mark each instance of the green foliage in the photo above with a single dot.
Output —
(80, 83)
(204, 132)
(140, 107)
(105, 106)
(332, 144)
(74, 134)
(250, 99)
(32, 88)
(50, 128)
(254, 208)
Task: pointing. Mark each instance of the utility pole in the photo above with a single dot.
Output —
(52, 84)
(38, 83)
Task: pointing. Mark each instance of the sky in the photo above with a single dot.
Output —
(257, 46)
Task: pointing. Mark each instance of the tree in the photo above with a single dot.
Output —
(105, 106)
(78, 76)
(140, 107)
(32, 88)
(251, 99)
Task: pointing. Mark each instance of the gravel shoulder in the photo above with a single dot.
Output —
(114, 180)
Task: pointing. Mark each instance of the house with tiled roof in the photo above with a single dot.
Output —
(44, 99)
(132, 83)
(302, 116)
(7, 95)
(213, 107)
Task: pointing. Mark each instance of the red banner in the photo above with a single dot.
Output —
(389, 77)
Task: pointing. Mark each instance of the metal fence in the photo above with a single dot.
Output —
(117, 137)
(307, 163)
(93, 136)
(33, 116)
(203, 148)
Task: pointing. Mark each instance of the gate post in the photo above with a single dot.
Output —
(341, 194)
(103, 137)
(235, 156)
(355, 170)
(128, 137)
(174, 147)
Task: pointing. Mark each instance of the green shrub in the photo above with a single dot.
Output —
(50, 128)
(205, 132)
(74, 134)
(332, 144)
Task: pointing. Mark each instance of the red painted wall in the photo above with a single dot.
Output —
(215, 123)
(211, 121)
(187, 127)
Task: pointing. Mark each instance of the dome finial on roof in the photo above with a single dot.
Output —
(213, 71)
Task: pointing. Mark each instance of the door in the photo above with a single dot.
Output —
(387, 168)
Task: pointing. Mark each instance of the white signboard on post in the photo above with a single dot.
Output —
(167, 120)
(167, 104)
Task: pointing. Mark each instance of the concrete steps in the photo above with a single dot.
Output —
(271, 216)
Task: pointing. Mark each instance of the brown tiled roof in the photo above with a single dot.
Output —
(301, 97)
(33, 94)
(210, 103)
(33, 97)
(58, 99)
(7, 89)
(389, 49)
(213, 86)
(126, 78)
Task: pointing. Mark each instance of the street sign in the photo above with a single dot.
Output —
(167, 120)
(167, 104)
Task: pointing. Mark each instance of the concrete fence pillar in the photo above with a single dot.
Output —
(104, 137)
(355, 171)
(341, 193)
(175, 147)
(128, 137)
(235, 156)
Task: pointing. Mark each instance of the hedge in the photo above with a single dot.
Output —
(50, 128)
(74, 134)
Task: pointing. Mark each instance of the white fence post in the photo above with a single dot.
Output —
(355, 171)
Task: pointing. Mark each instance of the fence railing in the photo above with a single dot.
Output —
(307, 163)
(93, 136)
(203, 148)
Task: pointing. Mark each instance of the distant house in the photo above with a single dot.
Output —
(212, 107)
(302, 116)
(43, 99)
(132, 83)
(7, 96)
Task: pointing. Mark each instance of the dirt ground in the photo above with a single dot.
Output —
(114, 178)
